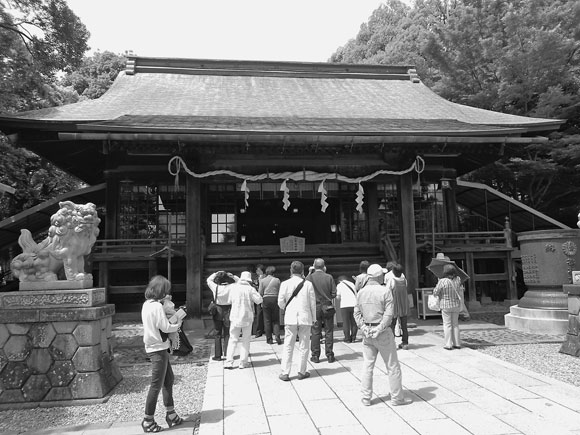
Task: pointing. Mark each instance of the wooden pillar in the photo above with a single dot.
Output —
(111, 220)
(470, 270)
(373, 208)
(408, 237)
(193, 254)
(450, 204)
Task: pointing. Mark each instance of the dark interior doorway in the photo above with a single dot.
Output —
(265, 221)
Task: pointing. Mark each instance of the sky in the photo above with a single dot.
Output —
(279, 30)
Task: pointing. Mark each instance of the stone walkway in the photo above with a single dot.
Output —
(454, 392)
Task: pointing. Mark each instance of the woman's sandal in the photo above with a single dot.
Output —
(150, 426)
(173, 419)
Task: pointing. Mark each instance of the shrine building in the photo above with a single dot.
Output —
(205, 165)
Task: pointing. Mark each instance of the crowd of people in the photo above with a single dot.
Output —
(374, 303)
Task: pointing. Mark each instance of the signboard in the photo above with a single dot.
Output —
(292, 244)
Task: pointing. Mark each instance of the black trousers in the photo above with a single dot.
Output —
(221, 324)
(271, 312)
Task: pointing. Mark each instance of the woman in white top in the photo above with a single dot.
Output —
(155, 323)
(242, 297)
(346, 295)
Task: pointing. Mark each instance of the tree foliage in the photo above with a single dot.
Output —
(39, 39)
(514, 56)
(95, 75)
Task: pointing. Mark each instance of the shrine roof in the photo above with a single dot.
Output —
(243, 96)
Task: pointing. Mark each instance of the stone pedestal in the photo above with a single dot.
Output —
(537, 321)
(572, 344)
(56, 346)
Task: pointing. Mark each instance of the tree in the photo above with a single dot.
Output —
(514, 56)
(95, 75)
(34, 179)
(38, 40)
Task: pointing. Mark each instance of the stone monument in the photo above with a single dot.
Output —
(56, 334)
(571, 345)
(548, 259)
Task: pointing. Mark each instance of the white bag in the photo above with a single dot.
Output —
(433, 303)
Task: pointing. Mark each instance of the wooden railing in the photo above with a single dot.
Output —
(441, 242)
(111, 249)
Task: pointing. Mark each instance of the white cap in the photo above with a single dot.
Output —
(246, 276)
(375, 270)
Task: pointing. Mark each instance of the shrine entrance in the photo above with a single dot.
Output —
(265, 222)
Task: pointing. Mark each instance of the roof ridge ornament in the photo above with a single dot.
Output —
(130, 66)
(413, 75)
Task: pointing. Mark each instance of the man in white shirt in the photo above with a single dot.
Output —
(298, 299)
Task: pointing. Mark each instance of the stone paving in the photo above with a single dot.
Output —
(457, 392)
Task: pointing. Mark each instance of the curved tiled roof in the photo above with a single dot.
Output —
(222, 92)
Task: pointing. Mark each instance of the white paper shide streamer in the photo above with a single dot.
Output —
(323, 202)
(360, 195)
(286, 199)
(246, 191)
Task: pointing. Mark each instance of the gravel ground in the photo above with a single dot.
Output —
(540, 358)
(126, 404)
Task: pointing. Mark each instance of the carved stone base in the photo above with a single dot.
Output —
(56, 355)
(54, 285)
(53, 298)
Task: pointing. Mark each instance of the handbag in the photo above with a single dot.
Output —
(184, 346)
(463, 313)
(433, 303)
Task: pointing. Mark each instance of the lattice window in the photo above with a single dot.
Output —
(222, 210)
(151, 211)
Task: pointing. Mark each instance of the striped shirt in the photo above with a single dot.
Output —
(448, 291)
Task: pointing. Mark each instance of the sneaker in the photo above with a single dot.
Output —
(244, 365)
(456, 347)
(279, 340)
(303, 375)
(404, 401)
(314, 359)
(366, 402)
(284, 377)
(403, 346)
(331, 358)
(229, 366)
(216, 358)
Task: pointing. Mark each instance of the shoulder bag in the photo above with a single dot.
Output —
(295, 292)
(350, 286)
(463, 313)
(212, 308)
(327, 308)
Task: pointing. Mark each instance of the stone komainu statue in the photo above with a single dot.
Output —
(72, 234)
